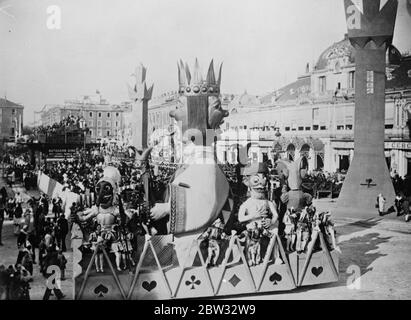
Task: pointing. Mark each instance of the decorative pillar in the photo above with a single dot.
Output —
(370, 26)
(138, 122)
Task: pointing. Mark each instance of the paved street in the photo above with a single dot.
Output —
(8, 253)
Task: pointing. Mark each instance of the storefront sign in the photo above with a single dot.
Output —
(61, 153)
(398, 145)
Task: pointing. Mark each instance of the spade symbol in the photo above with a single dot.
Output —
(101, 290)
(317, 271)
(275, 277)
(149, 285)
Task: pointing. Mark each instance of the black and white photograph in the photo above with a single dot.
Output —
(220, 150)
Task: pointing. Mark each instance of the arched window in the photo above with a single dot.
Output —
(304, 153)
(291, 152)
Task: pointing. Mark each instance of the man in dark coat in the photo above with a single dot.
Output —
(62, 231)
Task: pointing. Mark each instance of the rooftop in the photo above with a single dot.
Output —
(4, 103)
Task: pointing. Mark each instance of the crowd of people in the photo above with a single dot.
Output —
(40, 239)
(402, 187)
(69, 121)
(35, 229)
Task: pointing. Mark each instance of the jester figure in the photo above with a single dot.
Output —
(106, 210)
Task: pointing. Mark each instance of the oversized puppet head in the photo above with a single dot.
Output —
(107, 188)
(292, 172)
(255, 178)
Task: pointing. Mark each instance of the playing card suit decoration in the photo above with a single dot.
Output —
(275, 278)
(317, 271)
(101, 290)
(149, 285)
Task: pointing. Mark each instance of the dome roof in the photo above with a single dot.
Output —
(341, 50)
(245, 100)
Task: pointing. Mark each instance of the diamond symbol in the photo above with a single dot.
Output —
(234, 280)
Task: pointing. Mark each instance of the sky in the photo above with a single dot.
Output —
(263, 44)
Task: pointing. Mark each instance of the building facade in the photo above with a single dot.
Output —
(314, 116)
(104, 121)
(11, 121)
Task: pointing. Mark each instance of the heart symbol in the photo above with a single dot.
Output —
(317, 271)
(100, 290)
(275, 277)
(149, 285)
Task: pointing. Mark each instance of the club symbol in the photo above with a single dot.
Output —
(275, 277)
(193, 282)
(317, 271)
(101, 290)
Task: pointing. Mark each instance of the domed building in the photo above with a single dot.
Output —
(313, 117)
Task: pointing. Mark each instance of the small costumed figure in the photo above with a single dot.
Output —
(330, 231)
(96, 241)
(213, 236)
(289, 221)
(258, 210)
(303, 231)
(253, 237)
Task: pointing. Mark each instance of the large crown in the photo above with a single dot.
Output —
(194, 84)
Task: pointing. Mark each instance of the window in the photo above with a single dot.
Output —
(99, 114)
(117, 114)
(340, 127)
(13, 111)
(116, 123)
(389, 126)
(99, 123)
(108, 132)
(12, 131)
(315, 127)
(90, 115)
(348, 127)
(90, 123)
(323, 84)
(91, 132)
(351, 79)
(108, 114)
(300, 128)
(323, 128)
(287, 128)
(316, 114)
(108, 123)
(307, 128)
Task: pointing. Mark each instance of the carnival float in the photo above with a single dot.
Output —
(198, 228)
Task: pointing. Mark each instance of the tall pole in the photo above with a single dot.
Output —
(370, 26)
(140, 95)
